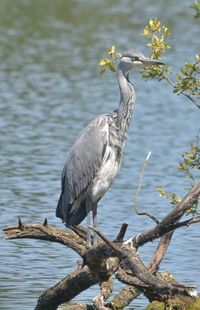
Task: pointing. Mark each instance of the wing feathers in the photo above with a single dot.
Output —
(83, 162)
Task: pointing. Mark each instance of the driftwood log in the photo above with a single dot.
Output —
(118, 258)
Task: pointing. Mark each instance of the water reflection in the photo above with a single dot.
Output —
(50, 89)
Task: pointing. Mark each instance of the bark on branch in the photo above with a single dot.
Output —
(129, 256)
(47, 232)
(75, 283)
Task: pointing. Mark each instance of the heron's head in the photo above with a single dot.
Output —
(133, 58)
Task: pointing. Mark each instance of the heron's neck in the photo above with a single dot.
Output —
(127, 101)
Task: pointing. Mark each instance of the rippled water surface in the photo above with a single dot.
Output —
(49, 90)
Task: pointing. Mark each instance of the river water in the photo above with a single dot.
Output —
(50, 90)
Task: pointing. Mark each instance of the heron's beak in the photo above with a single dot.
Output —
(151, 62)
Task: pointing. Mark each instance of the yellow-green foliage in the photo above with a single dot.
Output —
(187, 81)
(156, 34)
(110, 61)
(188, 78)
(190, 160)
(173, 198)
(196, 7)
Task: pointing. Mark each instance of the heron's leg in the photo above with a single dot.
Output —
(94, 214)
(89, 223)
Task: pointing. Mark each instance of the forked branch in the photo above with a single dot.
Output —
(118, 257)
(130, 256)
(169, 223)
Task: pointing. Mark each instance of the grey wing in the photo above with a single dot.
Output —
(83, 162)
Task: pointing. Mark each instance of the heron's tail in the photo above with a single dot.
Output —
(59, 209)
(71, 214)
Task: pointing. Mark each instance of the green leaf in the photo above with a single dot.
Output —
(183, 70)
(161, 192)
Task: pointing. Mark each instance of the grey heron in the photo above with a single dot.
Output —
(95, 157)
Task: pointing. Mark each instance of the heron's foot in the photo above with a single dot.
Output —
(95, 239)
(90, 238)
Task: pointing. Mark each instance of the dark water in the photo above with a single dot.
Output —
(49, 90)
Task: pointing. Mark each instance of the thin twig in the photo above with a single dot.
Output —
(168, 80)
(191, 99)
(139, 189)
(192, 220)
(169, 222)
(182, 93)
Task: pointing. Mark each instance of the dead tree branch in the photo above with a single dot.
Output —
(47, 232)
(193, 220)
(105, 292)
(160, 252)
(108, 258)
(65, 290)
(124, 297)
(130, 256)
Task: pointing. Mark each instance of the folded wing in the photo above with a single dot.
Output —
(83, 162)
